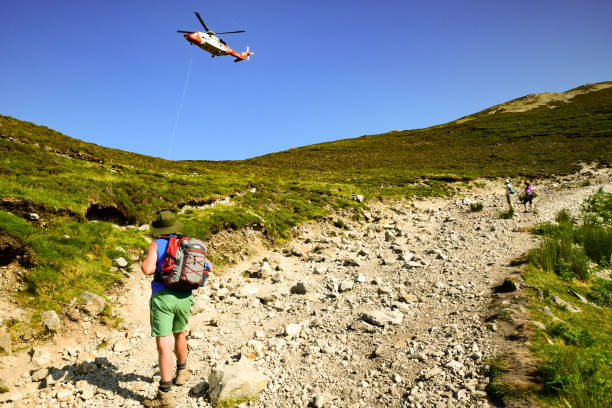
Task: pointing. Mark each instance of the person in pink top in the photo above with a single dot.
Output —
(528, 197)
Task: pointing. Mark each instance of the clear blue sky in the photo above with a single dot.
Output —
(113, 72)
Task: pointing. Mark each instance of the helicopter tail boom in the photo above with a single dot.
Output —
(240, 57)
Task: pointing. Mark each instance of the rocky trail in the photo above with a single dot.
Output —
(386, 311)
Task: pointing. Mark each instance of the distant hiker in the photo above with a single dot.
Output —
(169, 309)
(509, 190)
(528, 197)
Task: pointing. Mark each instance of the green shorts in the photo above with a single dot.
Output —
(169, 312)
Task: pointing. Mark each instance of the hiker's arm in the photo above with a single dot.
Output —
(148, 265)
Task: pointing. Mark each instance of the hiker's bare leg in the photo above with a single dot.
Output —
(180, 347)
(166, 359)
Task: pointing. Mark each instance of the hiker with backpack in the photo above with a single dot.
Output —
(509, 190)
(179, 265)
(528, 196)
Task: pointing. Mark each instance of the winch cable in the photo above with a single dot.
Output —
(180, 108)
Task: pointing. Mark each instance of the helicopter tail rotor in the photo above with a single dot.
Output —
(248, 54)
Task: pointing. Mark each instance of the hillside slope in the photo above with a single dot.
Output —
(532, 136)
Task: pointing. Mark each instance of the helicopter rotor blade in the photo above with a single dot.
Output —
(201, 21)
(181, 31)
(232, 32)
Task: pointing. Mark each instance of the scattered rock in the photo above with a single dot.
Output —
(383, 317)
(345, 285)
(578, 296)
(406, 297)
(120, 262)
(253, 350)
(64, 395)
(236, 381)
(509, 285)
(40, 374)
(561, 302)
(303, 287)
(92, 303)
(50, 320)
(4, 387)
(5, 343)
(293, 330)
(40, 357)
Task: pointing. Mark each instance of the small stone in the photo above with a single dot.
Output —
(578, 296)
(5, 343)
(121, 345)
(63, 395)
(360, 325)
(454, 364)
(350, 261)
(303, 287)
(383, 317)
(120, 262)
(345, 286)
(253, 350)
(561, 302)
(40, 357)
(432, 372)
(357, 197)
(40, 374)
(360, 278)
(319, 401)
(50, 320)
(320, 270)
(293, 330)
(407, 297)
(56, 376)
(4, 386)
(92, 303)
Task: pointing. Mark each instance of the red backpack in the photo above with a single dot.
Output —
(185, 265)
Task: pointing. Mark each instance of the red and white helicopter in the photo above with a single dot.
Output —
(212, 44)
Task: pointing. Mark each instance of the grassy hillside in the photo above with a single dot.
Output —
(69, 182)
(537, 142)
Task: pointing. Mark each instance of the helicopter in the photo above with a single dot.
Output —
(209, 42)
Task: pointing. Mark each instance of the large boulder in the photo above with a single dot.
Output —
(238, 381)
(92, 303)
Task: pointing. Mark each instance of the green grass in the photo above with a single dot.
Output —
(567, 246)
(475, 207)
(577, 367)
(14, 226)
(497, 390)
(506, 215)
(232, 402)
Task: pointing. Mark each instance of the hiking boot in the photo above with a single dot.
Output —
(182, 376)
(161, 400)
